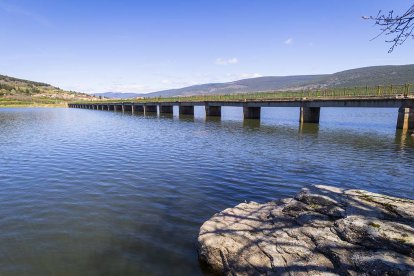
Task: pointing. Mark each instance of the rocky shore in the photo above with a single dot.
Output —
(322, 231)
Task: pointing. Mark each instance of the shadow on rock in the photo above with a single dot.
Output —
(323, 230)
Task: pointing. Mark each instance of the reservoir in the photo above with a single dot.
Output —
(87, 192)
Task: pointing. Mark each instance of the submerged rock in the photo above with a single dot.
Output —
(322, 231)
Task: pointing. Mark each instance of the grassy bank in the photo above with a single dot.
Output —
(16, 92)
(34, 102)
(30, 102)
(32, 105)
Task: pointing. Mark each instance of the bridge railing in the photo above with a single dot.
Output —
(406, 90)
(334, 93)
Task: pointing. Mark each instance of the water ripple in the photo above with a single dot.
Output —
(88, 193)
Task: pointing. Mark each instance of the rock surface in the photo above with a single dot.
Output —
(322, 231)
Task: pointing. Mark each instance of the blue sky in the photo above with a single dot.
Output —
(143, 46)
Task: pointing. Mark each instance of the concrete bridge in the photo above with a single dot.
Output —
(309, 108)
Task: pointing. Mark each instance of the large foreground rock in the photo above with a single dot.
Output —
(322, 231)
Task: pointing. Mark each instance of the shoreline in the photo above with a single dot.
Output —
(33, 106)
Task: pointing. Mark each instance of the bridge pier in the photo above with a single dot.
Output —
(138, 108)
(251, 112)
(127, 107)
(186, 110)
(309, 108)
(309, 115)
(166, 109)
(150, 108)
(405, 118)
(213, 110)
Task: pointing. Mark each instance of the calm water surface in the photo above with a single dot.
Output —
(87, 192)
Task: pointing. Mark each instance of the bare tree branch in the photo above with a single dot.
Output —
(400, 28)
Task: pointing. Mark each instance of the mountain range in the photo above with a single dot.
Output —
(366, 76)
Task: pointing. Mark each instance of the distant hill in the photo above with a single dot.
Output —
(118, 95)
(14, 91)
(370, 76)
(240, 86)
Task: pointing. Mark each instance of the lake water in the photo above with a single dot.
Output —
(86, 192)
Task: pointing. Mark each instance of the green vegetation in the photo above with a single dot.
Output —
(18, 93)
(406, 90)
(375, 225)
(401, 240)
(314, 206)
(386, 205)
(371, 76)
(24, 102)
